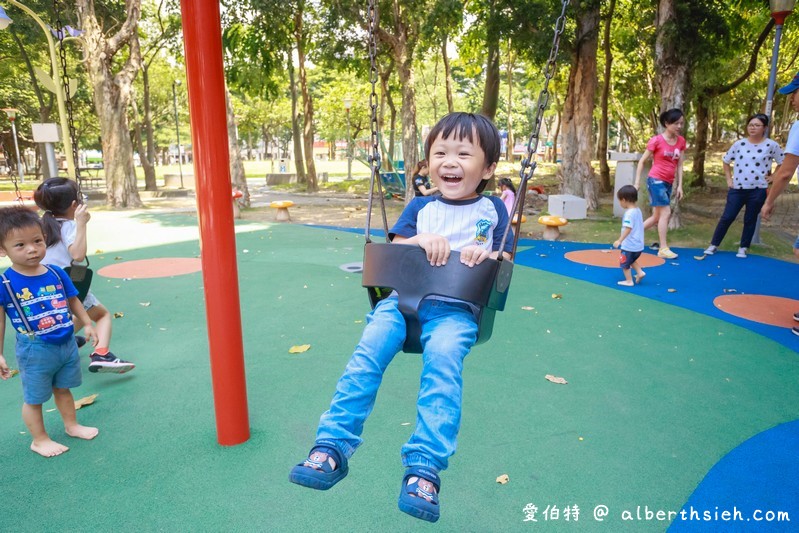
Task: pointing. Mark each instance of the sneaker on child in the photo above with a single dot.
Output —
(741, 253)
(109, 363)
(666, 253)
(80, 340)
(795, 331)
(710, 250)
(796, 316)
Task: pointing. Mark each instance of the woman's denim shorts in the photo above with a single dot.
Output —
(659, 192)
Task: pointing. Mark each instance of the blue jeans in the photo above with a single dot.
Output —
(753, 199)
(659, 192)
(449, 330)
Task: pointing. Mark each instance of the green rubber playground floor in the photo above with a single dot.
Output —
(656, 396)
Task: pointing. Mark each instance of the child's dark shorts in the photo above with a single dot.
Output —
(626, 259)
(43, 366)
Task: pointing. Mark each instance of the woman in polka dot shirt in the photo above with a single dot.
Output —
(748, 186)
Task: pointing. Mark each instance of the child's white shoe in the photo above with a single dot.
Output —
(741, 253)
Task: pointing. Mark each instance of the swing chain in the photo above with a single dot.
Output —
(60, 34)
(529, 163)
(374, 157)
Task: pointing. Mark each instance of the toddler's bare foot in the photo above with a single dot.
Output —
(48, 448)
(82, 432)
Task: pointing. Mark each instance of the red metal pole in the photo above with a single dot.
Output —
(202, 36)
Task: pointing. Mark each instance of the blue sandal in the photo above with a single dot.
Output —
(419, 493)
(316, 472)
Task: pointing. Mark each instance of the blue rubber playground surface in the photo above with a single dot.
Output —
(674, 413)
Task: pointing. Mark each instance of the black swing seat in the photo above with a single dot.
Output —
(405, 269)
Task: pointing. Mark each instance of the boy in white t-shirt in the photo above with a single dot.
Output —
(631, 240)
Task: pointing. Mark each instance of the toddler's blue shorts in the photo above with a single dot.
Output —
(627, 258)
(44, 366)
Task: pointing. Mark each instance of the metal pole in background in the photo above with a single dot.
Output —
(780, 9)
(16, 147)
(347, 106)
(177, 129)
(205, 76)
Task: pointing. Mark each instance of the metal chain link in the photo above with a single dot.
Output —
(67, 98)
(374, 157)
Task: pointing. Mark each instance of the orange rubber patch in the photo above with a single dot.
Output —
(152, 268)
(771, 310)
(610, 258)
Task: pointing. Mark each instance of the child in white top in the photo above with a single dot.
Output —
(631, 240)
(64, 220)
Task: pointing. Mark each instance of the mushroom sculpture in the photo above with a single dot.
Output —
(553, 224)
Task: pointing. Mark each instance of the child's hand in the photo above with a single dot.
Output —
(474, 255)
(437, 248)
(617, 243)
(82, 214)
(91, 336)
(5, 372)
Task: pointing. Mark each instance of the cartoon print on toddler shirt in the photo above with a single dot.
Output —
(481, 235)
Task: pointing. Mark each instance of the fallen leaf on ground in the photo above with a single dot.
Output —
(118, 258)
(503, 479)
(700, 257)
(300, 348)
(557, 296)
(97, 252)
(119, 315)
(672, 290)
(144, 304)
(13, 373)
(556, 379)
(86, 400)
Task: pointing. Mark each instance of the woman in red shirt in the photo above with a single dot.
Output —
(667, 151)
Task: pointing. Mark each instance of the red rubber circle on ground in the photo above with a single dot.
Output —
(610, 258)
(163, 267)
(771, 310)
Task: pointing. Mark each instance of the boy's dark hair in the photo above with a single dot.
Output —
(55, 196)
(628, 193)
(17, 217)
(462, 125)
(670, 117)
(507, 183)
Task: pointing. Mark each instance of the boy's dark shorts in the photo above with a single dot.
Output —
(626, 259)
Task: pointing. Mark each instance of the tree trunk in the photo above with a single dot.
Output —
(148, 156)
(510, 143)
(296, 134)
(491, 92)
(604, 168)
(237, 176)
(702, 112)
(672, 71)
(447, 75)
(408, 116)
(111, 95)
(149, 169)
(385, 75)
(308, 129)
(554, 154)
(577, 174)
